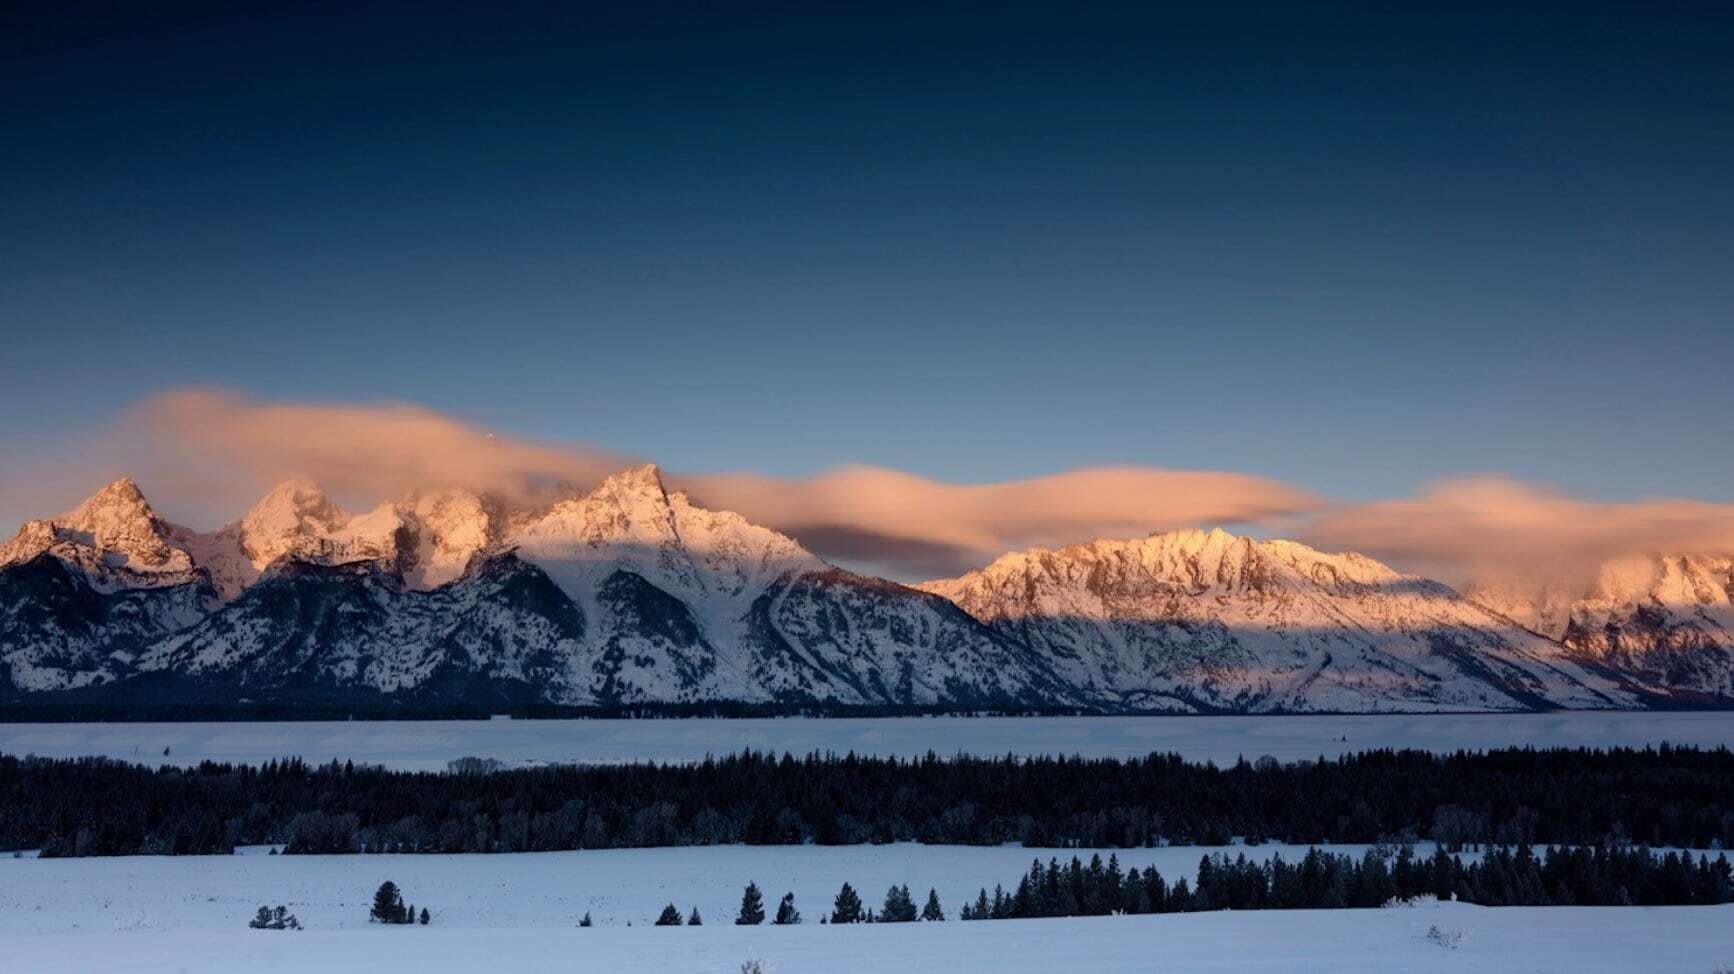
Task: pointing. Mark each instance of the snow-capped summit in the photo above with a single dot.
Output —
(693, 604)
(103, 578)
(631, 522)
(633, 593)
(114, 535)
(1194, 620)
(427, 538)
(1666, 619)
(450, 527)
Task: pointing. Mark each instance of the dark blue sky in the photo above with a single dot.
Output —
(1349, 247)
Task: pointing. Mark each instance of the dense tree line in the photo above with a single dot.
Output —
(1584, 876)
(1669, 796)
(1601, 876)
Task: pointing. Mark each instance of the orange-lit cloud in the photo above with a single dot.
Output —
(201, 437)
(1500, 532)
(913, 526)
(204, 456)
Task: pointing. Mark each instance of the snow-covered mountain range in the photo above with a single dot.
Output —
(632, 594)
(625, 594)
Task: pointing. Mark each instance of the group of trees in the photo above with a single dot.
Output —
(1603, 876)
(274, 918)
(1323, 880)
(898, 907)
(388, 907)
(671, 918)
(1668, 796)
(752, 910)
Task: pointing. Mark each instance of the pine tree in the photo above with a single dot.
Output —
(752, 907)
(786, 912)
(847, 907)
(261, 920)
(387, 904)
(695, 920)
(424, 916)
(899, 906)
(408, 915)
(932, 912)
(585, 920)
(670, 917)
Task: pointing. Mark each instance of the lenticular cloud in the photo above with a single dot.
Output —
(207, 455)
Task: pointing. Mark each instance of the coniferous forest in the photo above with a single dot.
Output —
(1602, 876)
(1679, 797)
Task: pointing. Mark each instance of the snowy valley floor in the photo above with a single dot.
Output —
(1566, 939)
(518, 912)
(428, 745)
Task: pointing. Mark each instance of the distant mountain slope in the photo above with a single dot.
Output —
(1196, 621)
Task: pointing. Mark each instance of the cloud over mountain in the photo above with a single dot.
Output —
(1496, 531)
(206, 454)
(916, 526)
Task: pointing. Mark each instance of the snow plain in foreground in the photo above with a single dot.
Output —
(524, 890)
(428, 745)
(1571, 940)
(518, 913)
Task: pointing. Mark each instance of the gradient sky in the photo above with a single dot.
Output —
(1350, 248)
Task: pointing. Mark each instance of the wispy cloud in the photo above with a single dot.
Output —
(208, 454)
(381, 450)
(914, 526)
(1503, 532)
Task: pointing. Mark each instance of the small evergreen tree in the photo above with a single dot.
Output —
(752, 907)
(585, 920)
(932, 911)
(408, 915)
(847, 907)
(899, 906)
(670, 917)
(786, 912)
(695, 920)
(274, 918)
(424, 916)
(387, 904)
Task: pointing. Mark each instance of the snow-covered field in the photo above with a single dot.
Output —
(1571, 940)
(539, 889)
(517, 913)
(430, 744)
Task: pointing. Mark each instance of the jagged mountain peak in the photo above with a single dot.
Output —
(636, 491)
(123, 490)
(1194, 558)
(1677, 579)
(293, 506)
(1209, 620)
(646, 476)
(114, 533)
(1666, 620)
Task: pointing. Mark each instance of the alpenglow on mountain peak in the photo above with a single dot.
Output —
(628, 593)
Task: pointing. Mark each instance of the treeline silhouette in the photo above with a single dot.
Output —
(1667, 796)
(1602, 876)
